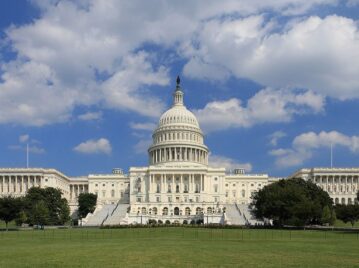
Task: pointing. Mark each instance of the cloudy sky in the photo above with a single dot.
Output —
(273, 83)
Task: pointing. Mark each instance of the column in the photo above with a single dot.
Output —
(202, 182)
(180, 184)
(2, 184)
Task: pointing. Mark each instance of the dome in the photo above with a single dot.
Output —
(178, 137)
(178, 115)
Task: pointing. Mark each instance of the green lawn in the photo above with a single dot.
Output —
(178, 247)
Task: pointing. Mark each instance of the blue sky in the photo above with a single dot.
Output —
(274, 84)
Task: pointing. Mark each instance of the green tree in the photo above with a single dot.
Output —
(291, 202)
(57, 207)
(9, 209)
(87, 204)
(334, 217)
(326, 215)
(40, 214)
(347, 213)
(21, 218)
(64, 216)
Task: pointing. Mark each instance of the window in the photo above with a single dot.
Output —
(96, 184)
(197, 199)
(158, 199)
(216, 179)
(169, 199)
(226, 194)
(139, 199)
(226, 184)
(216, 199)
(103, 193)
(112, 193)
(243, 193)
(234, 193)
(113, 185)
(215, 188)
(103, 185)
(165, 211)
(252, 184)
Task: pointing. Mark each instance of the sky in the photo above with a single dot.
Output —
(274, 84)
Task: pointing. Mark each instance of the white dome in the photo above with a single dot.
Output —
(178, 137)
(178, 115)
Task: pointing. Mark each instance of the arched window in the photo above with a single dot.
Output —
(198, 211)
(343, 201)
(154, 211)
(176, 211)
(165, 211)
(143, 210)
(187, 211)
(209, 210)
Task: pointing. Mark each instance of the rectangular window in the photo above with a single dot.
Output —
(158, 199)
(139, 199)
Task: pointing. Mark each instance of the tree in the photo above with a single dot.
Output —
(57, 207)
(347, 213)
(40, 214)
(358, 197)
(87, 204)
(291, 202)
(64, 216)
(326, 215)
(9, 209)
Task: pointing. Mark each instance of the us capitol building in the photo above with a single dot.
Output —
(178, 186)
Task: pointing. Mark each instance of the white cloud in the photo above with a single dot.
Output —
(275, 137)
(142, 146)
(89, 116)
(320, 54)
(268, 105)
(89, 53)
(24, 138)
(228, 163)
(32, 148)
(143, 126)
(100, 146)
(304, 146)
(352, 3)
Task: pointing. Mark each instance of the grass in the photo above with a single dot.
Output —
(178, 247)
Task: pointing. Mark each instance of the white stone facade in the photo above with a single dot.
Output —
(178, 185)
(342, 184)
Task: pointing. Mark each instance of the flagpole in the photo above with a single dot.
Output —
(27, 155)
(331, 155)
